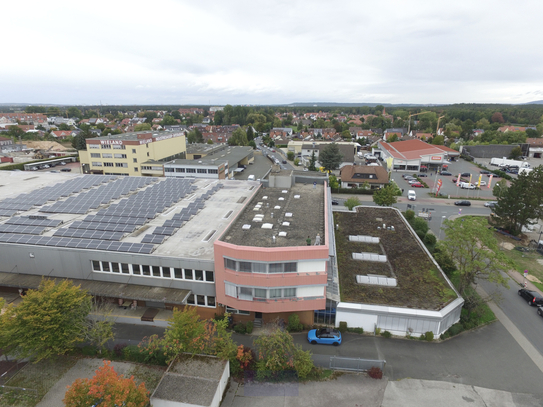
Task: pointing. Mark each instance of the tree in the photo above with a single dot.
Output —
(312, 162)
(351, 202)
(106, 389)
(48, 322)
(73, 112)
(392, 138)
(78, 142)
(474, 249)
(330, 157)
(278, 356)
(500, 188)
(238, 138)
(385, 196)
(168, 120)
(497, 118)
(515, 153)
(99, 328)
(142, 127)
(250, 133)
(195, 136)
(333, 182)
(438, 140)
(290, 155)
(53, 111)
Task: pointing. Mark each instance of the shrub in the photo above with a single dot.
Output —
(386, 334)
(219, 317)
(240, 328)
(430, 239)
(409, 215)
(429, 336)
(356, 330)
(377, 331)
(249, 327)
(132, 353)
(455, 329)
(422, 337)
(343, 327)
(118, 349)
(294, 324)
(375, 372)
(89, 350)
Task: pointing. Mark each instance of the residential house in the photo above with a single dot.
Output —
(355, 176)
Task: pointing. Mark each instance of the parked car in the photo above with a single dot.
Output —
(462, 203)
(417, 185)
(66, 169)
(422, 175)
(326, 336)
(335, 202)
(284, 161)
(532, 297)
(484, 172)
(461, 180)
(467, 185)
(465, 174)
(491, 204)
(483, 184)
(445, 173)
(413, 181)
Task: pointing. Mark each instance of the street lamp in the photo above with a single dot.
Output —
(440, 226)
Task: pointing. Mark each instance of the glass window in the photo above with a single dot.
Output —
(107, 155)
(133, 151)
(201, 300)
(230, 264)
(188, 274)
(259, 267)
(95, 155)
(245, 266)
(115, 267)
(291, 267)
(96, 265)
(124, 268)
(136, 269)
(275, 293)
(198, 275)
(134, 160)
(156, 271)
(166, 272)
(178, 273)
(210, 276)
(105, 266)
(146, 270)
(179, 170)
(191, 170)
(202, 171)
(289, 292)
(108, 164)
(190, 299)
(135, 169)
(241, 312)
(276, 267)
(211, 301)
(260, 293)
(96, 164)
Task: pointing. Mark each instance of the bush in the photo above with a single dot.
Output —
(240, 328)
(89, 350)
(455, 329)
(422, 337)
(294, 324)
(375, 372)
(219, 317)
(249, 327)
(409, 215)
(118, 349)
(429, 336)
(132, 354)
(343, 327)
(430, 239)
(377, 331)
(386, 334)
(356, 330)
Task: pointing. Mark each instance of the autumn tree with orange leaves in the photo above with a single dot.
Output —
(107, 389)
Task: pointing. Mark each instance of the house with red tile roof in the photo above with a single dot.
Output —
(410, 155)
(354, 176)
(62, 134)
(505, 129)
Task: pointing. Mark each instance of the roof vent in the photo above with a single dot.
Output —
(285, 224)
(246, 227)
(288, 215)
(296, 196)
(267, 226)
(283, 234)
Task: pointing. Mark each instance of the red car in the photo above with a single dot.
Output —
(417, 185)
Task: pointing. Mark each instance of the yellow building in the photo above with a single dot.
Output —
(124, 154)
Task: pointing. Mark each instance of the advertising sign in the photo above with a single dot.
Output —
(439, 183)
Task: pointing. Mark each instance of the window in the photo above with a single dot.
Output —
(135, 160)
(106, 146)
(200, 300)
(210, 301)
(133, 151)
(276, 267)
(136, 269)
(108, 164)
(260, 293)
(156, 271)
(115, 267)
(229, 264)
(96, 266)
(105, 266)
(168, 170)
(245, 293)
(119, 147)
(212, 171)
(259, 268)
(230, 290)
(93, 146)
(245, 266)
(198, 275)
(209, 276)
(146, 270)
(190, 299)
(124, 268)
(119, 155)
(275, 293)
(291, 267)
(178, 273)
(166, 272)
(95, 155)
(147, 154)
(123, 165)
(191, 170)
(96, 164)
(202, 171)
(135, 169)
(188, 274)
(289, 292)
(179, 170)
(107, 155)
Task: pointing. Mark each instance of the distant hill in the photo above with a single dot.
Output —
(535, 102)
(331, 104)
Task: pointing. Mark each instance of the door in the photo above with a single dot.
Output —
(258, 315)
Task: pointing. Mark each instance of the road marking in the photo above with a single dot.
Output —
(530, 350)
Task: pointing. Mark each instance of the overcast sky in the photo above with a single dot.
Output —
(271, 52)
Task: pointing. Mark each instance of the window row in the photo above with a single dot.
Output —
(250, 293)
(201, 300)
(254, 267)
(153, 271)
(192, 170)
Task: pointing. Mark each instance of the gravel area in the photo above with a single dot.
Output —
(205, 367)
(186, 390)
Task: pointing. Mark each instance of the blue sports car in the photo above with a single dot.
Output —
(326, 336)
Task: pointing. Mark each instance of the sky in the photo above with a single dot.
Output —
(217, 52)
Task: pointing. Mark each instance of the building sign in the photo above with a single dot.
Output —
(436, 158)
(149, 140)
(111, 142)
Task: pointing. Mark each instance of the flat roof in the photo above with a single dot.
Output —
(232, 155)
(192, 215)
(301, 206)
(413, 149)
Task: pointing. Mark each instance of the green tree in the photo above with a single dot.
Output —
(250, 133)
(53, 111)
(392, 138)
(35, 109)
(474, 249)
(78, 142)
(333, 182)
(499, 188)
(74, 112)
(142, 127)
(238, 138)
(312, 162)
(438, 140)
(278, 355)
(330, 157)
(185, 330)
(48, 322)
(64, 127)
(290, 155)
(195, 136)
(351, 202)
(168, 120)
(515, 153)
(100, 323)
(385, 196)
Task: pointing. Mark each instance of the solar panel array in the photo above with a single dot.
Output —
(111, 227)
(23, 220)
(27, 230)
(89, 234)
(76, 243)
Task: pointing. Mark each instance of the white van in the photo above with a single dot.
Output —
(411, 195)
(251, 178)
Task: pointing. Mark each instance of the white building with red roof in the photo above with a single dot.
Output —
(411, 155)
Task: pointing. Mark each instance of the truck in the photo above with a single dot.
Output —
(504, 162)
(411, 195)
(525, 170)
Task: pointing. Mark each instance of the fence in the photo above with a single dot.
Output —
(355, 364)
